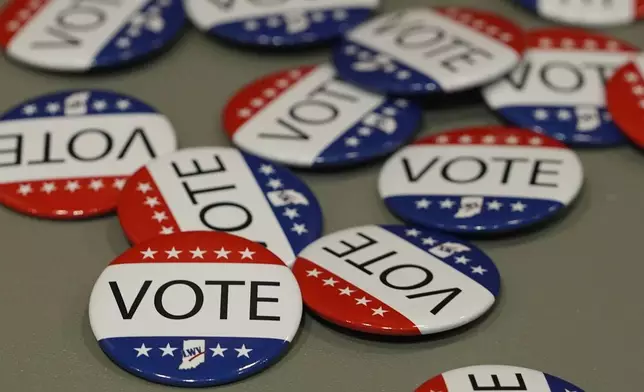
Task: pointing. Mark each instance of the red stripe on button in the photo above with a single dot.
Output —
(492, 136)
(15, 15)
(625, 98)
(436, 384)
(252, 98)
(344, 304)
(572, 39)
(639, 9)
(142, 210)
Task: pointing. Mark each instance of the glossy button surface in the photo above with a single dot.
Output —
(195, 309)
(591, 13)
(625, 96)
(396, 280)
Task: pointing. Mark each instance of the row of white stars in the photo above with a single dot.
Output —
(633, 78)
(562, 114)
(291, 213)
(268, 93)
(139, 20)
(55, 107)
(480, 24)
(276, 21)
(489, 139)
(197, 253)
(570, 43)
(70, 186)
(353, 141)
(346, 291)
(23, 15)
(494, 205)
(218, 351)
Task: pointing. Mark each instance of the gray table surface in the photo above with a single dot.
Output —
(570, 302)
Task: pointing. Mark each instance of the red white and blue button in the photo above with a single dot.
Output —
(496, 378)
(221, 189)
(559, 90)
(307, 117)
(82, 35)
(68, 155)
(590, 13)
(396, 280)
(278, 23)
(625, 99)
(481, 180)
(195, 309)
(421, 51)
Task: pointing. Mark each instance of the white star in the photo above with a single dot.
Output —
(100, 105)
(535, 141)
(291, 213)
(119, 183)
(299, 228)
(72, 186)
(246, 254)
(590, 44)
(273, 21)
(638, 90)
(244, 113)
(243, 351)
(267, 169)
(218, 351)
(545, 42)
(389, 111)
(256, 102)
(340, 15)
(346, 291)
(352, 141)
(148, 253)
(518, 206)
(123, 43)
(563, 115)
(403, 75)
(160, 216)
(282, 83)
(167, 350)
(362, 301)
(143, 187)
(401, 103)
(96, 185)
(512, 140)
(630, 77)
(494, 205)
(612, 45)
(412, 233)
(123, 104)
(429, 241)
(462, 260)
(541, 114)
(506, 37)
(422, 204)
(142, 350)
(251, 25)
(53, 107)
(318, 17)
(197, 253)
(275, 183)
(270, 93)
(465, 139)
(222, 253)
(442, 139)
(13, 25)
(173, 253)
(364, 131)
(48, 187)
(478, 270)
(330, 282)
(642, 104)
(25, 189)
(30, 110)
(489, 139)
(379, 312)
(166, 230)
(568, 43)
(151, 201)
(314, 273)
(447, 203)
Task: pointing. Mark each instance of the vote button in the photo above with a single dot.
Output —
(481, 180)
(195, 309)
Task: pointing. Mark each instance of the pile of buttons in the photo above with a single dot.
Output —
(228, 247)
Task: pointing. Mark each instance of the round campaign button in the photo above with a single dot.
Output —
(221, 189)
(68, 155)
(481, 180)
(496, 378)
(625, 96)
(599, 13)
(307, 117)
(195, 309)
(278, 23)
(81, 35)
(429, 50)
(396, 280)
(558, 89)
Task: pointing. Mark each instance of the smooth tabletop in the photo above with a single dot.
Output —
(570, 300)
